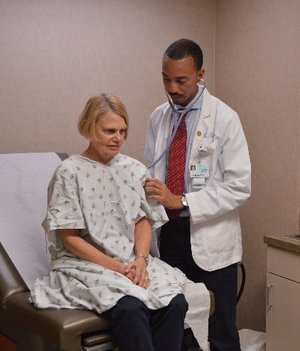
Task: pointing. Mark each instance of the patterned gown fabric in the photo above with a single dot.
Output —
(104, 202)
(176, 164)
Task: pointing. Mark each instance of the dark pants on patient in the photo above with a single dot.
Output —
(136, 328)
(175, 249)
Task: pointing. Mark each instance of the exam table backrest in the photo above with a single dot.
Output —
(23, 195)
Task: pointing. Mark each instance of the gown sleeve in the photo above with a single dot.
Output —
(64, 210)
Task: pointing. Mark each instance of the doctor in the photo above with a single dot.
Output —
(204, 239)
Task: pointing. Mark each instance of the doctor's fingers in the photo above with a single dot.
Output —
(154, 188)
(153, 182)
(163, 196)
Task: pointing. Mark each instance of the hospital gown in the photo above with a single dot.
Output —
(103, 201)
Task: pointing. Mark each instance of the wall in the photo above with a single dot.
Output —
(257, 73)
(55, 54)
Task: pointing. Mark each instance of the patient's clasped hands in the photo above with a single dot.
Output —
(136, 271)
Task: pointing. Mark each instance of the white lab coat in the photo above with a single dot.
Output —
(215, 226)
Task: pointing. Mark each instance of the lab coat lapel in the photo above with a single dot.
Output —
(160, 145)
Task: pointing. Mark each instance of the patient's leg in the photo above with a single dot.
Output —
(167, 325)
(131, 325)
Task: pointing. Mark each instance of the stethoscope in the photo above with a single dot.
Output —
(182, 112)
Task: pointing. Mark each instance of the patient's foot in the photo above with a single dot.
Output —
(189, 342)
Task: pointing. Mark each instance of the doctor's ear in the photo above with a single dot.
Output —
(201, 73)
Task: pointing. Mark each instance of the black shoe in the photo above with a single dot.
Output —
(189, 342)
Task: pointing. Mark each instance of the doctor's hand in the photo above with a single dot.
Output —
(157, 190)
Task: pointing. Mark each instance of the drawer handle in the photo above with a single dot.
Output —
(269, 287)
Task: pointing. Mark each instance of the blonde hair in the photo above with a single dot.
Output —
(95, 108)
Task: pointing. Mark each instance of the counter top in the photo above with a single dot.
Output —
(285, 242)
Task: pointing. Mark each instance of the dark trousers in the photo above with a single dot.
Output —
(175, 249)
(136, 328)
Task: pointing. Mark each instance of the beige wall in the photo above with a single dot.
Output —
(55, 54)
(257, 73)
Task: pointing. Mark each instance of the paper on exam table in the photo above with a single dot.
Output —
(22, 209)
(198, 298)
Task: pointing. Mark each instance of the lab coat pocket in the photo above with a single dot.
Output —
(206, 148)
(208, 154)
(205, 162)
(222, 234)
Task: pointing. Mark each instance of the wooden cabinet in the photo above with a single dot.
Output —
(283, 299)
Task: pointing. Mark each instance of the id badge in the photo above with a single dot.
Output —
(199, 170)
(198, 182)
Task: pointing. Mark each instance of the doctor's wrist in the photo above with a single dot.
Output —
(177, 203)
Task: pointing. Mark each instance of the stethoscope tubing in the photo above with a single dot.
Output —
(181, 115)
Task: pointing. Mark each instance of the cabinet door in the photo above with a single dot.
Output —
(282, 314)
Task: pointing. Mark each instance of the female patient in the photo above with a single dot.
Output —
(99, 225)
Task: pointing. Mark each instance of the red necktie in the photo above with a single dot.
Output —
(176, 164)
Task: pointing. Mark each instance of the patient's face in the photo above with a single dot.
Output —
(110, 130)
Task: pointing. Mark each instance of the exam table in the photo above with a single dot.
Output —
(23, 190)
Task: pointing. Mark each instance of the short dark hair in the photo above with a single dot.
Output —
(183, 48)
